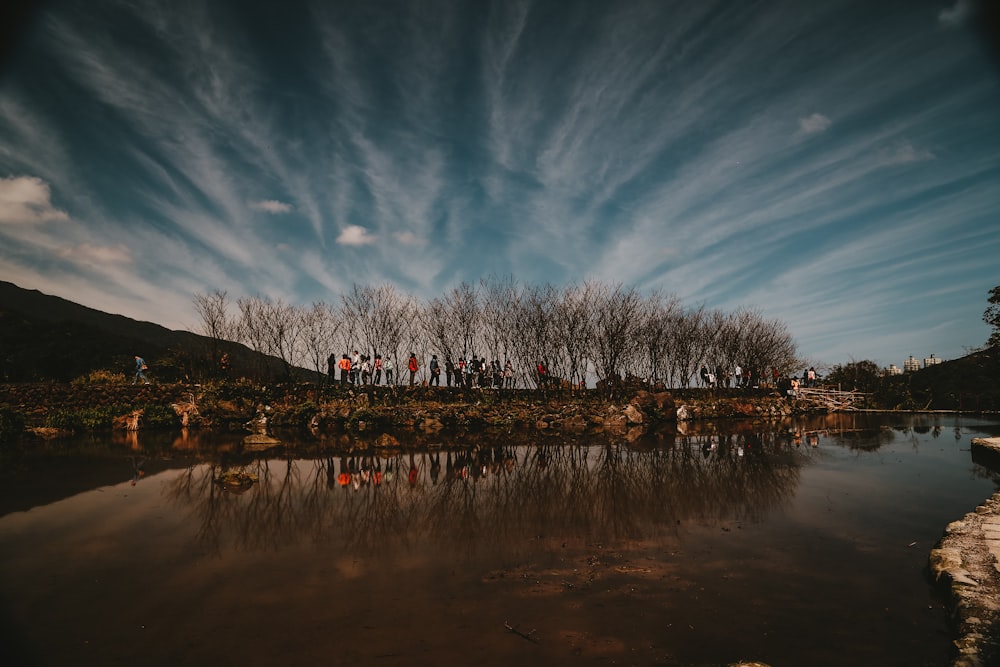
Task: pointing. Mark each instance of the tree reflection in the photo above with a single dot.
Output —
(498, 497)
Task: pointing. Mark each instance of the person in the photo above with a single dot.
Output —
(811, 377)
(331, 367)
(387, 365)
(449, 369)
(366, 369)
(508, 375)
(435, 371)
(738, 375)
(543, 373)
(413, 366)
(140, 370)
(345, 369)
(378, 368)
(704, 375)
(355, 367)
(794, 391)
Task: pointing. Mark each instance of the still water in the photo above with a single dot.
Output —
(799, 544)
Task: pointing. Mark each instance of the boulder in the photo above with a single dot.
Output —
(634, 414)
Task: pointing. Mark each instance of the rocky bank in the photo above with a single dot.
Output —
(964, 564)
(374, 410)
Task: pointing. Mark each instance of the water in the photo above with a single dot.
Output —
(804, 544)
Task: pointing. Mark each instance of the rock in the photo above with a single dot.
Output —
(431, 424)
(616, 423)
(386, 440)
(664, 401)
(683, 414)
(634, 414)
(259, 442)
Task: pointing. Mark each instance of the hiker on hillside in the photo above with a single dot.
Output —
(140, 370)
(435, 371)
(387, 365)
(413, 367)
(345, 369)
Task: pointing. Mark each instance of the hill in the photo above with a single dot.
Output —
(970, 383)
(48, 338)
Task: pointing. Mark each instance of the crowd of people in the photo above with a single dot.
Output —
(474, 372)
(740, 378)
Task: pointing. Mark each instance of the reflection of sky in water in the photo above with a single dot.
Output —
(797, 524)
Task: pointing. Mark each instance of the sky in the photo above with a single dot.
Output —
(834, 165)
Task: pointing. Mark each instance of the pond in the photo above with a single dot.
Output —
(800, 543)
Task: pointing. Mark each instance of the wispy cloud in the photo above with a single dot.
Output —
(905, 153)
(87, 253)
(271, 206)
(814, 123)
(957, 14)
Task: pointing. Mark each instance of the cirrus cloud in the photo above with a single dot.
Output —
(271, 206)
(814, 123)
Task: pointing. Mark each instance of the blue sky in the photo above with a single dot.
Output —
(835, 165)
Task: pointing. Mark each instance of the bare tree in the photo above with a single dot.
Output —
(536, 331)
(616, 314)
(686, 347)
(463, 304)
(770, 346)
(574, 322)
(658, 315)
(319, 329)
(251, 330)
(282, 327)
(498, 298)
(216, 323)
(442, 334)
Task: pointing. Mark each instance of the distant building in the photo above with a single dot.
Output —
(893, 370)
(911, 365)
(931, 361)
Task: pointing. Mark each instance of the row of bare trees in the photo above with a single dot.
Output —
(589, 332)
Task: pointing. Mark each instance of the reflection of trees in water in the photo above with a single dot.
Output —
(492, 497)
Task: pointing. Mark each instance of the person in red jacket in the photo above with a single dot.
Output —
(413, 366)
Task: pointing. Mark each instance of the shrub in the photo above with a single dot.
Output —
(11, 425)
(159, 416)
(101, 376)
(96, 419)
(65, 420)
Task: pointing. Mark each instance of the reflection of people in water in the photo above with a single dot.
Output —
(344, 478)
(331, 473)
(435, 467)
(413, 471)
(138, 469)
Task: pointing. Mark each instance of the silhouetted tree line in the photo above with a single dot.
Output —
(580, 333)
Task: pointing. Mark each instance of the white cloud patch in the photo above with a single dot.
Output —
(956, 15)
(355, 235)
(87, 253)
(410, 239)
(814, 123)
(271, 206)
(905, 153)
(27, 200)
